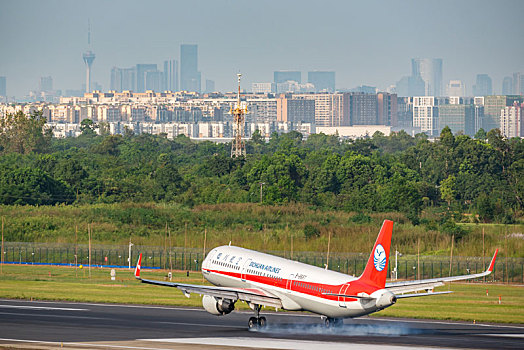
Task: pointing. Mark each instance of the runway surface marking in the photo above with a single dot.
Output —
(504, 335)
(54, 316)
(438, 322)
(270, 313)
(271, 343)
(156, 307)
(88, 345)
(197, 324)
(379, 319)
(258, 343)
(40, 307)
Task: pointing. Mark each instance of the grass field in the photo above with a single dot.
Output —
(252, 226)
(468, 302)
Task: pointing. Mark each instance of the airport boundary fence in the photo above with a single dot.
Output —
(409, 267)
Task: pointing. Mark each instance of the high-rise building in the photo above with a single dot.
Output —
(364, 109)
(482, 86)
(512, 120)
(425, 114)
(262, 88)
(141, 70)
(323, 81)
(123, 79)
(430, 70)
(507, 86)
(286, 87)
(283, 76)
(411, 86)
(387, 109)
(479, 115)
(330, 109)
(295, 110)
(154, 80)
(46, 84)
(170, 75)
(404, 112)
(458, 117)
(3, 86)
(210, 85)
(492, 107)
(190, 78)
(518, 83)
(455, 88)
(365, 89)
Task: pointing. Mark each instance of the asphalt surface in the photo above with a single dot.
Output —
(33, 324)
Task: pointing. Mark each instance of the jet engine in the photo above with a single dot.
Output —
(217, 306)
(384, 298)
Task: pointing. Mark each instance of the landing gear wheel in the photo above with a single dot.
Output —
(252, 323)
(262, 322)
(330, 322)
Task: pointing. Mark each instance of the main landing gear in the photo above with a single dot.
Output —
(330, 322)
(256, 322)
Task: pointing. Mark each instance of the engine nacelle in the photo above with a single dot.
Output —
(384, 298)
(216, 306)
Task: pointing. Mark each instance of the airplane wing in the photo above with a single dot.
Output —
(252, 295)
(428, 284)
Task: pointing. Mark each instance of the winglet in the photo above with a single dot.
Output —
(137, 268)
(490, 269)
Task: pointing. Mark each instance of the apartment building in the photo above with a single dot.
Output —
(425, 114)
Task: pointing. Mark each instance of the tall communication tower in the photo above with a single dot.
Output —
(89, 57)
(238, 147)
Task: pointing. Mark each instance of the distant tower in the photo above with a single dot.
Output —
(238, 148)
(89, 57)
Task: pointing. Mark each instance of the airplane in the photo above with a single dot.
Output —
(270, 281)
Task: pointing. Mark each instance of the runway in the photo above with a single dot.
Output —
(43, 325)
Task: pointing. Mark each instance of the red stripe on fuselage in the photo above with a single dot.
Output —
(308, 288)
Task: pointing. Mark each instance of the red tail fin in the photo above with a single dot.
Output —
(492, 264)
(376, 269)
(137, 268)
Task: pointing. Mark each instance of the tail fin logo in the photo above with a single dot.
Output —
(379, 258)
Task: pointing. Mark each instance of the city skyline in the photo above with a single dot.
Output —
(471, 37)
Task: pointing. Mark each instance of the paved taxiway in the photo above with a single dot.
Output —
(81, 325)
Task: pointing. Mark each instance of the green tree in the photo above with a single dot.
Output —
(87, 126)
(71, 172)
(257, 137)
(447, 189)
(24, 134)
(32, 186)
(283, 176)
(168, 179)
(109, 145)
(481, 134)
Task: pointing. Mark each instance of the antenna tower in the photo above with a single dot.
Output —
(89, 57)
(238, 147)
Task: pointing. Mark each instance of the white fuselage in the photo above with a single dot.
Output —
(299, 286)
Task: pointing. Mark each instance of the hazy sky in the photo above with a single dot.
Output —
(367, 42)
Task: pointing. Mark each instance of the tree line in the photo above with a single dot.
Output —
(478, 178)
